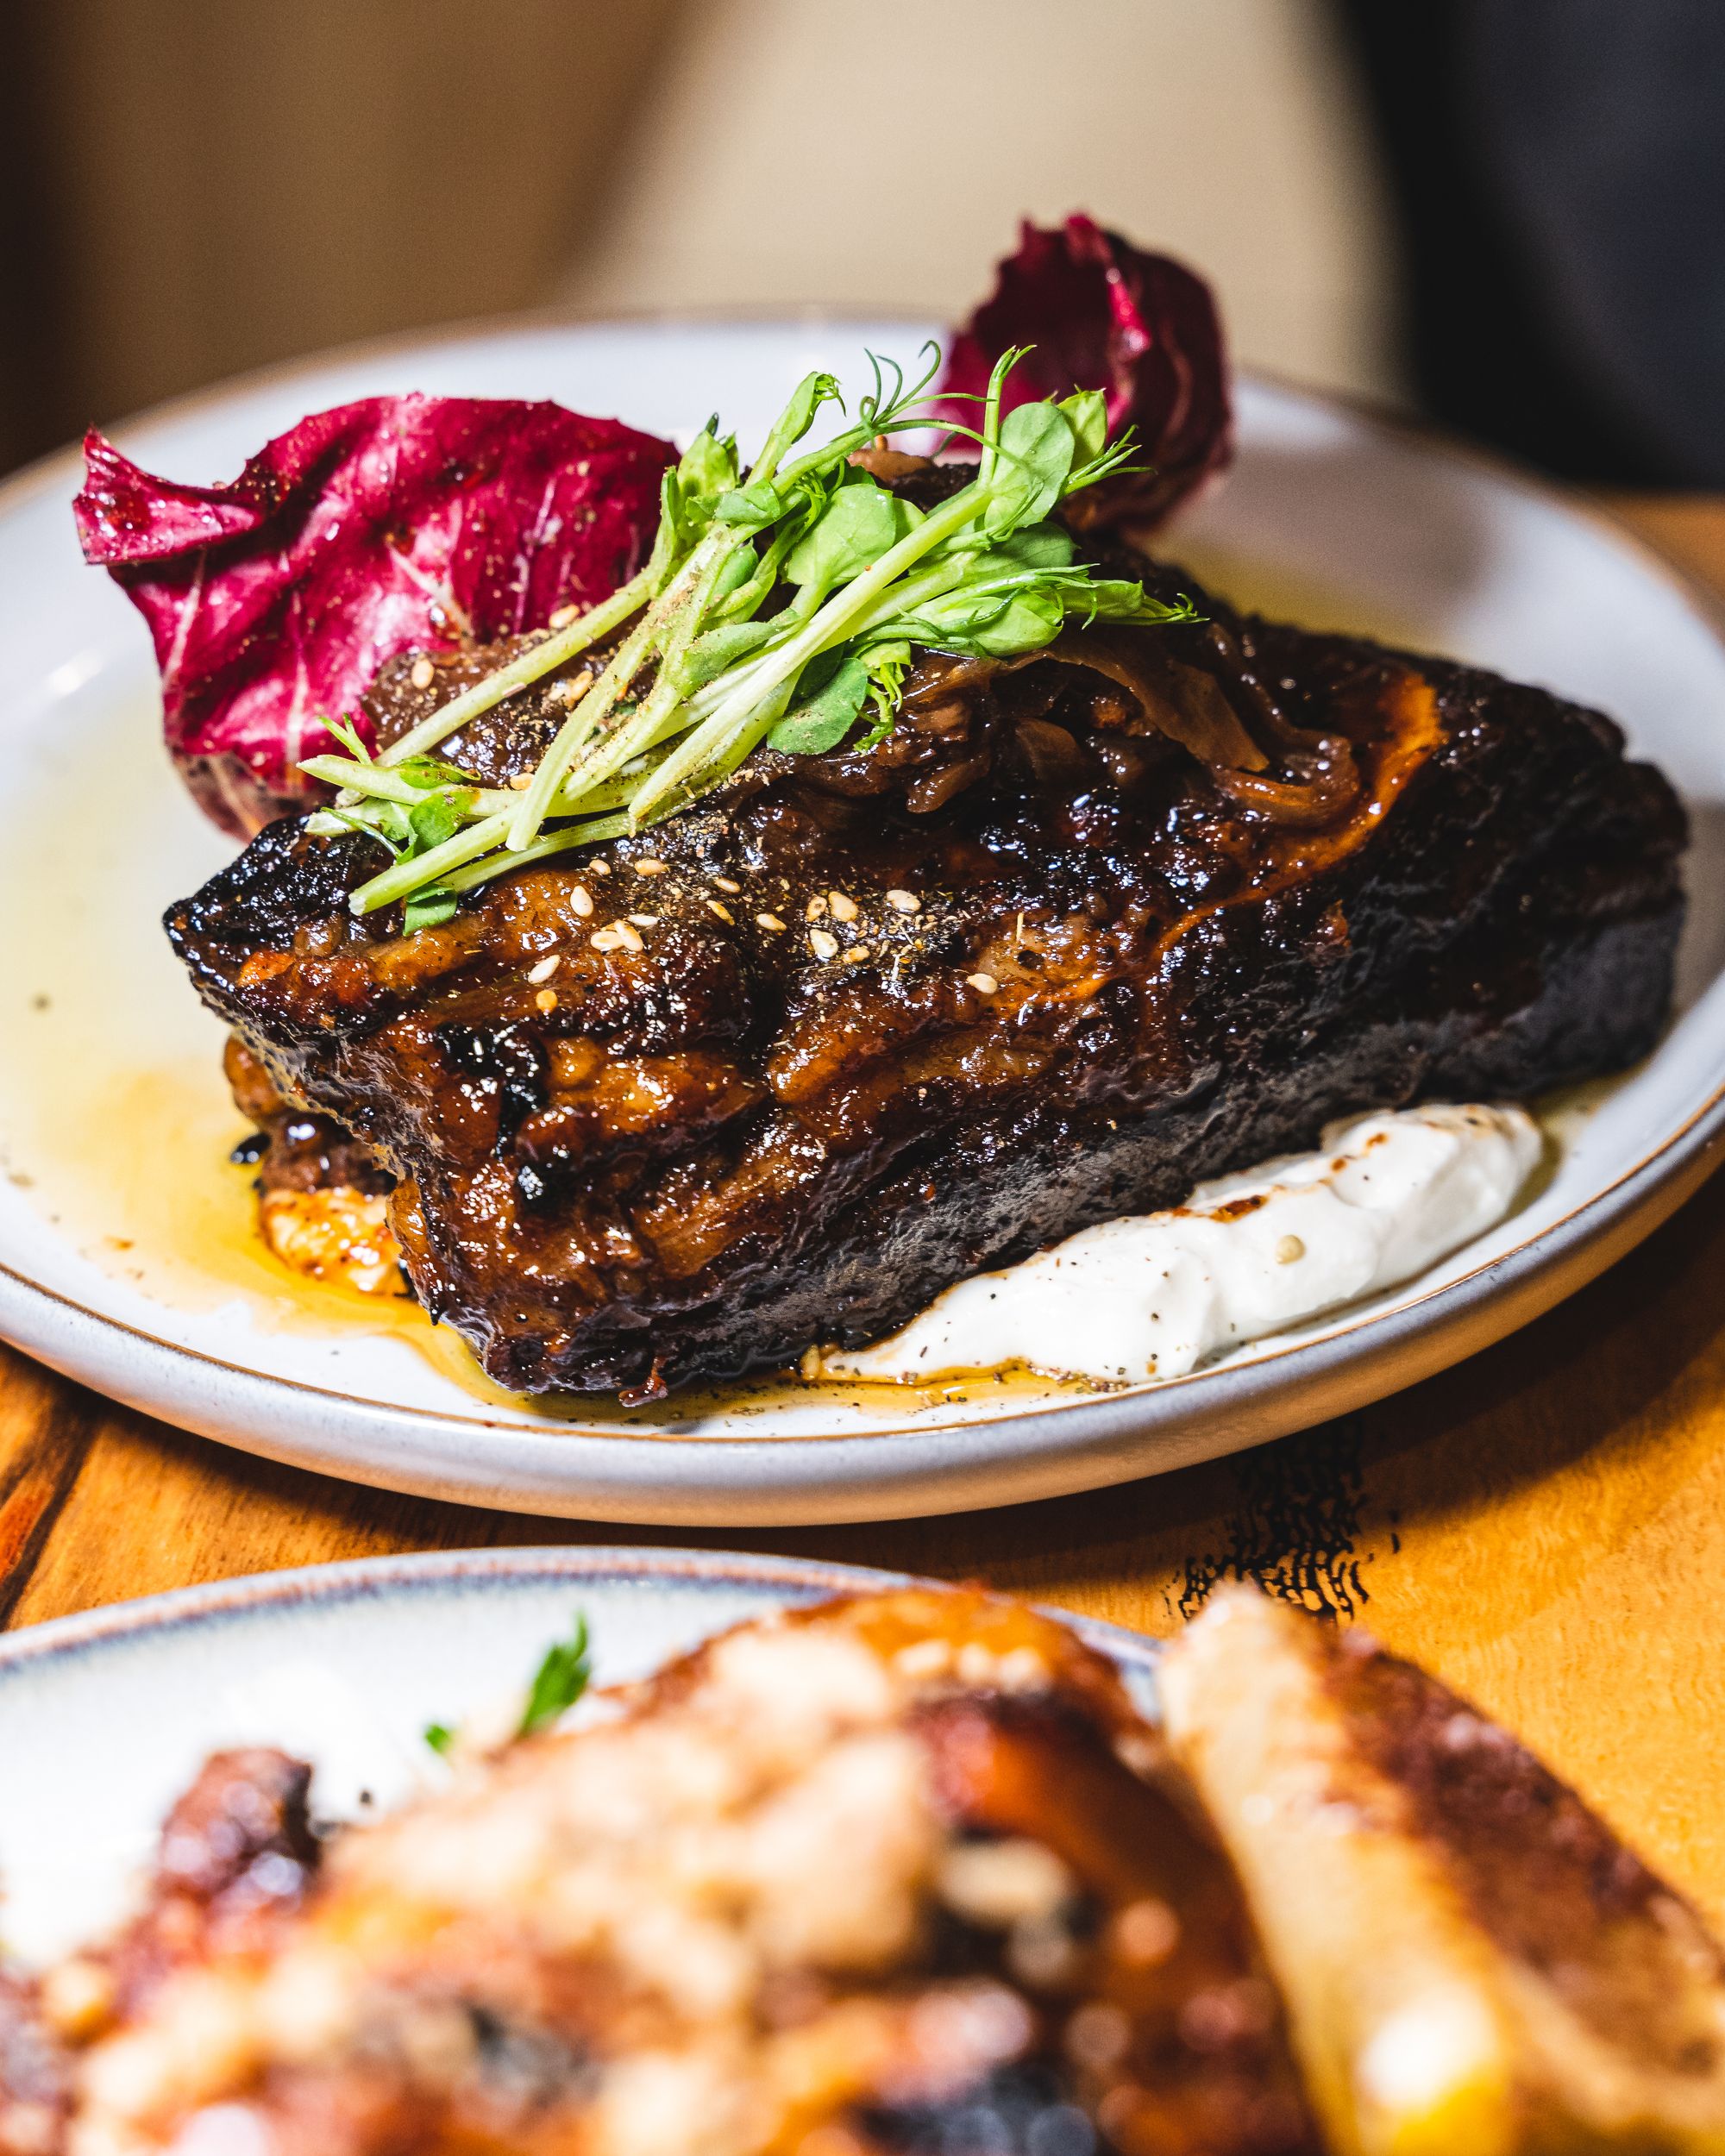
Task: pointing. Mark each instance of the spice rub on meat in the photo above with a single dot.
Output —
(1148, 906)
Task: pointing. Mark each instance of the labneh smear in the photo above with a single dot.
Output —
(1384, 1197)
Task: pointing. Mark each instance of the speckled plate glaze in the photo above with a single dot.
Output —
(343, 1664)
(126, 1254)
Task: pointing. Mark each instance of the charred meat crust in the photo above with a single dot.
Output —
(1178, 903)
(295, 1148)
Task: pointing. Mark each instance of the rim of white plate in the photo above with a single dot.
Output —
(1047, 1449)
(364, 1579)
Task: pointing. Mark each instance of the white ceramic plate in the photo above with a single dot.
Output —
(126, 1254)
(342, 1664)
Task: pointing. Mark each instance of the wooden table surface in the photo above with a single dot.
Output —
(1544, 1525)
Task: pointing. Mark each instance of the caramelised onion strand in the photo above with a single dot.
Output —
(1245, 678)
(1333, 787)
(1202, 720)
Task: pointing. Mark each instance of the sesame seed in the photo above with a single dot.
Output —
(599, 867)
(563, 616)
(770, 921)
(628, 935)
(1290, 1250)
(646, 866)
(546, 999)
(903, 901)
(815, 908)
(725, 914)
(843, 908)
(823, 945)
(724, 883)
(424, 674)
(545, 969)
(605, 939)
(645, 920)
(581, 899)
(521, 781)
(984, 983)
(856, 951)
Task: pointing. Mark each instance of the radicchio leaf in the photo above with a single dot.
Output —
(1102, 314)
(382, 526)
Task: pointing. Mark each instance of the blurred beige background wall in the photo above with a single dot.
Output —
(190, 188)
(794, 150)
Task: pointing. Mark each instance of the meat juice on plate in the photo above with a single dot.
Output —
(116, 1123)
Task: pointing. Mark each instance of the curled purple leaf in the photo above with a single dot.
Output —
(386, 525)
(1102, 314)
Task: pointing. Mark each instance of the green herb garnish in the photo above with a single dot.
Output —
(704, 676)
(559, 1680)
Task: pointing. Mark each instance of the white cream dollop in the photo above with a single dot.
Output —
(1383, 1198)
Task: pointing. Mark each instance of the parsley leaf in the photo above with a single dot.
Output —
(559, 1680)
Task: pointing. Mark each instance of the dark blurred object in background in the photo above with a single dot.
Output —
(1559, 168)
(192, 188)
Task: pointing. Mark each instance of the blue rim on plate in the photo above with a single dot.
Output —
(356, 1580)
(343, 1665)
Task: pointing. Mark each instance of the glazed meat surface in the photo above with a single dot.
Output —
(1152, 906)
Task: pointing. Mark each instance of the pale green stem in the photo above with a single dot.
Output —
(594, 709)
(533, 665)
(711, 744)
(367, 781)
(372, 781)
(840, 615)
(783, 436)
(593, 833)
(777, 672)
(409, 876)
(641, 729)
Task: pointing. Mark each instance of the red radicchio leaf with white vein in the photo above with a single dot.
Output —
(1102, 314)
(387, 526)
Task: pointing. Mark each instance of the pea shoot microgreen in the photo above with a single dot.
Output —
(559, 1680)
(857, 578)
(563, 1674)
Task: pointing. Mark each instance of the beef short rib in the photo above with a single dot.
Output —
(1084, 929)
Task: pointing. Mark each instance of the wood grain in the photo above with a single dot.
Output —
(1544, 1525)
